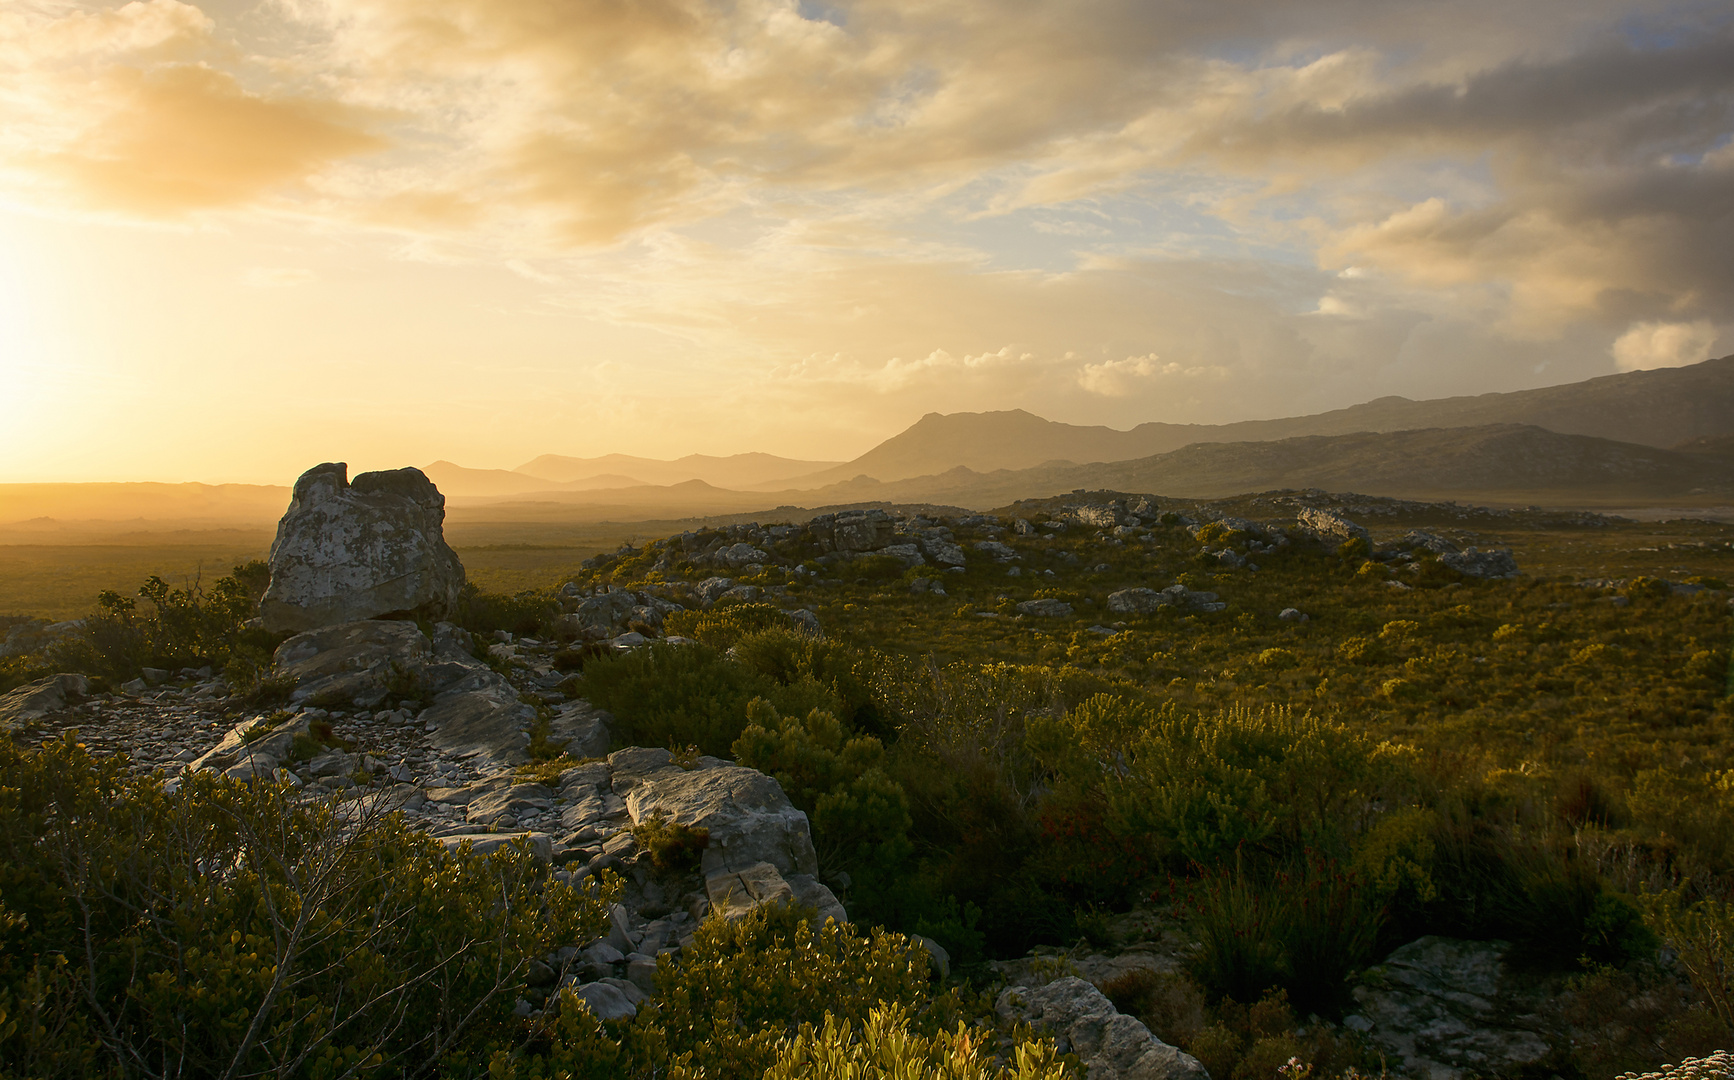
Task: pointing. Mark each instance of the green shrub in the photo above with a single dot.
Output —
(875, 567)
(669, 695)
(672, 846)
(529, 613)
(1701, 933)
(722, 626)
(1198, 787)
(743, 985)
(236, 929)
(860, 816)
(177, 627)
(884, 1047)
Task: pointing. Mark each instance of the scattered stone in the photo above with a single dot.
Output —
(711, 589)
(254, 748)
(907, 554)
(607, 1001)
(1142, 601)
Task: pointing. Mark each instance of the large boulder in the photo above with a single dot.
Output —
(1083, 1021)
(363, 550)
(749, 818)
(760, 849)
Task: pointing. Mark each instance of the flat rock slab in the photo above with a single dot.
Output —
(37, 699)
(481, 718)
(1450, 1009)
(353, 662)
(253, 749)
(1113, 1046)
(541, 844)
(582, 728)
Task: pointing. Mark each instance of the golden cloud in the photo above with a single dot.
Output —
(186, 137)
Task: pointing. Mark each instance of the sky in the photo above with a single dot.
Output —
(238, 238)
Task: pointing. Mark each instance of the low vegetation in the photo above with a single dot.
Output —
(1544, 760)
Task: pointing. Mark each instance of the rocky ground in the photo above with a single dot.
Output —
(439, 726)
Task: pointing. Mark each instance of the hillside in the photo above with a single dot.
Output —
(1650, 408)
(1515, 461)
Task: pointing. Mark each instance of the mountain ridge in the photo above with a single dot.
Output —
(1658, 408)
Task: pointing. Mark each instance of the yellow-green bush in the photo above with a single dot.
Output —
(883, 1047)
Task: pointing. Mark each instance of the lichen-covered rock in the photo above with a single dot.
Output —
(749, 818)
(481, 718)
(346, 551)
(1449, 1010)
(1330, 528)
(1084, 1022)
(1142, 601)
(1045, 609)
(581, 728)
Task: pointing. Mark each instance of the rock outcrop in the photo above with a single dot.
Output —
(1083, 1021)
(1141, 601)
(1330, 528)
(363, 550)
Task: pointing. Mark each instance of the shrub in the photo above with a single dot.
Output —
(1199, 786)
(722, 626)
(860, 815)
(236, 929)
(178, 627)
(672, 846)
(668, 695)
(1167, 1002)
(1701, 933)
(531, 612)
(1278, 659)
(743, 985)
(884, 1048)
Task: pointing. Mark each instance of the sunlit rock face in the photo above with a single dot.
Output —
(364, 550)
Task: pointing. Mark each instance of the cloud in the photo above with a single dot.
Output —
(141, 25)
(186, 137)
(1115, 378)
(277, 277)
(1662, 344)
